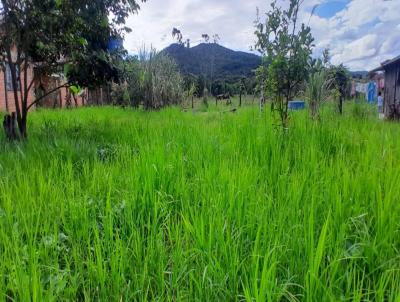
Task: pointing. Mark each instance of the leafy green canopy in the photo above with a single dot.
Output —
(340, 78)
(286, 48)
(55, 36)
(76, 33)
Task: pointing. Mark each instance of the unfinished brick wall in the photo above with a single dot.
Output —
(58, 99)
(7, 102)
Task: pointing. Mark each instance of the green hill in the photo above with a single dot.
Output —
(213, 61)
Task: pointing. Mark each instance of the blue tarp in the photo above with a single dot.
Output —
(297, 105)
(371, 92)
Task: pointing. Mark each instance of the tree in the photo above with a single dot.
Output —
(206, 38)
(319, 85)
(287, 49)
(340, 77)
(126, 93)
(216, 38)
(177, 34)
(326, 57)
(200, 85)
(79, 38)
(191, 92)
(242, 88)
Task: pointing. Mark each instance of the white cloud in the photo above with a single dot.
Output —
(232, 20)
(363, 48)
(362, 35)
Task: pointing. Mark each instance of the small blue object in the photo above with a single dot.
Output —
(114, 44)
(297, 105)
(371, 92)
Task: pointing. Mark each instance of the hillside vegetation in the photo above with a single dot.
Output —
(105, 204)
(213, 60)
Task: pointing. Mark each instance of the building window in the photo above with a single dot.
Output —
(9, 78)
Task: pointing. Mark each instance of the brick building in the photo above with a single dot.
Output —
(62, 98)
(7, 101)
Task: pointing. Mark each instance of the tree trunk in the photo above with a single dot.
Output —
(55, 101)
(240, 98)
(9, 125)
(75, 100)
(5, 90)
(341, 104)
(14, 84)
(314, 110)
(192, 102)
(284, 112)
(22, 125)
(68, 101)
(262, 102)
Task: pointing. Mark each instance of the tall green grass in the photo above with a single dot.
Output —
(113, 205)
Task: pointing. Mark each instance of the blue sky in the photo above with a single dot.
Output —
(330, 8)
(359, 33)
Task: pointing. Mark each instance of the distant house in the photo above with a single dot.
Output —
(391, 69)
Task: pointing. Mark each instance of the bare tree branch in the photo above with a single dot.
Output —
(66, 85)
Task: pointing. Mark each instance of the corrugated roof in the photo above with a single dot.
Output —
(390, 62)
(385, 64)
(380, 68)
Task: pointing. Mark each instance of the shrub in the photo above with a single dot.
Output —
(317, 90)
(152, 79)
(120, 96)
(161, 84)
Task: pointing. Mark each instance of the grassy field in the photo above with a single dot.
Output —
(106, 204)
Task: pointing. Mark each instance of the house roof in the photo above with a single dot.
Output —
(386, 64)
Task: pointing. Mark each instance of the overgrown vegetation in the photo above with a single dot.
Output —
(152, 79)
(105, 204)
(317, 91)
